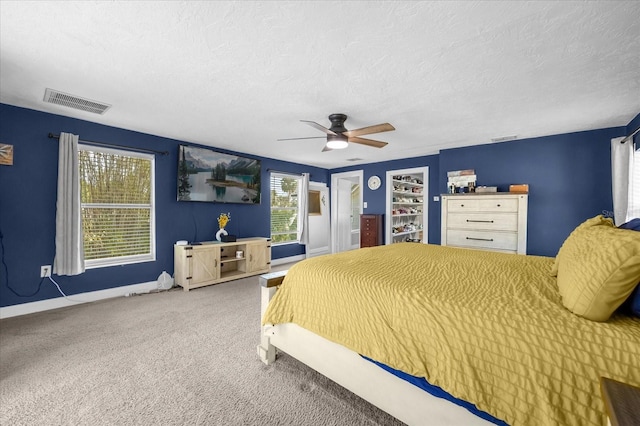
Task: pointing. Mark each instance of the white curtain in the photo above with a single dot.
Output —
(69, 258)
(303, 210)
(621, 168)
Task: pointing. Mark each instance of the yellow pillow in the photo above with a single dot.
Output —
(594, 221)
(598, 267)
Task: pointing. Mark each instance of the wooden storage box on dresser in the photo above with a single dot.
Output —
(371, 230)
(212, 262)
(487, 221)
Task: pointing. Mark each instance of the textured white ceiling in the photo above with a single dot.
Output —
(239, 75)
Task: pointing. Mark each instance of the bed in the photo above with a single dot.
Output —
(499, 331)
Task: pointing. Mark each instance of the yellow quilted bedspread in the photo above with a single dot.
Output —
(487, 327)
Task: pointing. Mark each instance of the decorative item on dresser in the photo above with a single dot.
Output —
(485, 221)
(371, 230)
(213, 262)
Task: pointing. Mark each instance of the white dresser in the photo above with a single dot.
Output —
(486, 221)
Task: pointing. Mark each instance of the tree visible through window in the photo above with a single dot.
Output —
(284, 207)
(117, 202)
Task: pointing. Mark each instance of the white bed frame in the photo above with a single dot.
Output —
(397, 397)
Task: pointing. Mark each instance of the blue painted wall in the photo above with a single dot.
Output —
(569, 179)
(633, 126)
(28, 206)
(376, 200)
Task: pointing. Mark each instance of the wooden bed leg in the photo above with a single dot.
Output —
(269, 285)
(266, 351)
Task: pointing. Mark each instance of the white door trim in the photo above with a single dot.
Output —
(359, 174)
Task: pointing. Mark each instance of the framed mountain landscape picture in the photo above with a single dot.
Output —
(212, 176)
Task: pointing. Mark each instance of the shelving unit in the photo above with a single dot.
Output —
(407, 207)
(213, 262)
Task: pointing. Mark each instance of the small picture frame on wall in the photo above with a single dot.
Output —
(314, 203)
(6, 154)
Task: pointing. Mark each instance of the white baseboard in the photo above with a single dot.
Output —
(318, 251)
(283, 260)
(75, 299)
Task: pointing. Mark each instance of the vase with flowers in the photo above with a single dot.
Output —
(223, 220)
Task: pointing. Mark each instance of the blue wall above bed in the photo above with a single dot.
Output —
(633, 126)
(569, 179)
(28, 206)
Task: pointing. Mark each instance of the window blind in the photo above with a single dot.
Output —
(117, 203)
(284, 191)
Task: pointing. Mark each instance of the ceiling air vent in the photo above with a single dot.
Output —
(71, 101)
(504, 138)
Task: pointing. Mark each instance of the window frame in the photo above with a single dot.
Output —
(298, 179)
(131, 259)
(633, 210)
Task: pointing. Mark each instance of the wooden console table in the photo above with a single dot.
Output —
(213, 262)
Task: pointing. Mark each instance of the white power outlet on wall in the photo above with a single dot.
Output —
(45, 271)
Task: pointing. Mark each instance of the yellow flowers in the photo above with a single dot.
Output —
(223, 219)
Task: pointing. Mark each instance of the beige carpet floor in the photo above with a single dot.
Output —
(171, 358)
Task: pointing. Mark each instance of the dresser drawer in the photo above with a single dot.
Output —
(507, 241)
(482, 204)
(371, 230)
(484, 221)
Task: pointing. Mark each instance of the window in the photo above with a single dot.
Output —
(117, 202)
(284, 207)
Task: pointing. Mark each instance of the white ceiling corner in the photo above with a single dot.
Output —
(239, 75)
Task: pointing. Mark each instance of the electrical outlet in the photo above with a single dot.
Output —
(45, 271)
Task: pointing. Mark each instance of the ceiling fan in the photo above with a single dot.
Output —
(338, 137)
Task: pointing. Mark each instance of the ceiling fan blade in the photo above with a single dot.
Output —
(319, 127)
(368, 142)
(295, 139)
(326, 148)
(378, 128)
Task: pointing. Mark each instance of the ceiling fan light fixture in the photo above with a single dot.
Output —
(337, 144)
(338, 137)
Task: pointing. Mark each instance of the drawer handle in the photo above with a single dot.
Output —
(479, 221)
(480, 239)
(498, 205)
